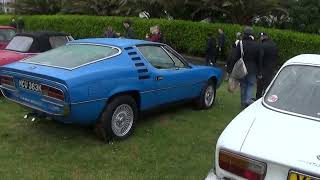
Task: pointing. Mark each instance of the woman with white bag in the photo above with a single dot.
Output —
(247, 66)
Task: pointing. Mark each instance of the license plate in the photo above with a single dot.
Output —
(32, 86)
(299, 176)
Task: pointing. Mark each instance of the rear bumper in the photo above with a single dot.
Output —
(84, 113)
(58, 109)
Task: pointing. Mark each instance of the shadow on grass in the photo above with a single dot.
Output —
(56, 130)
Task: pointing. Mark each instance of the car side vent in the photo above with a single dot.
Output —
(132, 53)
(139, 64)
(128, 48)
(136, 58)
(142, 70)
(144, 77)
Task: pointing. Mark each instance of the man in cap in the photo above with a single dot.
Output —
(253, 64)
(268, 57)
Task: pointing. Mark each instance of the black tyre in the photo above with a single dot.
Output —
(207, 97)
(117, 122)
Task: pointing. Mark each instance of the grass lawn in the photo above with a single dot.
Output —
(175, 144)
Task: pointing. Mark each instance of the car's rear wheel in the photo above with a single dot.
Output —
(207, 97)
(117, 122)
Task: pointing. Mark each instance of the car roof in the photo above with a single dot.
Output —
(6, 27)
(118, 42)
(40, 34)
(305, 59)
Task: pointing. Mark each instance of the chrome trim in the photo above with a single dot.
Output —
(83, 102)
(50, 102)
(172, 87)
(8, 88)
(271, 84)
(94, 44)
(30, 106)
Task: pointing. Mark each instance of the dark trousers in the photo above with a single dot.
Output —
(262, 85)
(221, 54)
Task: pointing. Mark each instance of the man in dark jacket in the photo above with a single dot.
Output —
(221, 44)
(253, 65)
(20, 25)
(129, 33)
(211, 50)
(268, 57)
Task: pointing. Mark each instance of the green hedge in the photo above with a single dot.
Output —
(187, 37)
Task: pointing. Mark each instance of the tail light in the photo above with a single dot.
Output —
(242, 166)
(52, 92)
(7, 81)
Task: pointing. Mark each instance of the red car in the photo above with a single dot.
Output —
(24, 45)
(6, 34)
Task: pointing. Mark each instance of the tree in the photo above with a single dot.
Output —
(305, 15)
(239, 11)
(37, 6)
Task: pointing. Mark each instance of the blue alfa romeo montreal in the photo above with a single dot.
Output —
(107, 83)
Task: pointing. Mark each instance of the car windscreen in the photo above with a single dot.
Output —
(20, 43)
(73, 55)
(6, 34)
(297, 90)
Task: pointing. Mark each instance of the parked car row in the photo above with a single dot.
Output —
(109, 82)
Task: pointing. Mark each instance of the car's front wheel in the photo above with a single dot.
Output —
(117, 122)
(207, 96)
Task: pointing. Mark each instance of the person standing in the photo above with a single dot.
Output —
(211, 50)
(155, 34)
(129, 33)
(221, 44)
(13, 23)
(268, 57)
(110, 33)
(20, 25)
(232, 54)
(253, 65)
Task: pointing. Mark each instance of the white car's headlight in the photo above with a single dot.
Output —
(242, 166)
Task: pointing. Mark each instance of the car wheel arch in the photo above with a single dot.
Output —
(213, 79)
(133, 93)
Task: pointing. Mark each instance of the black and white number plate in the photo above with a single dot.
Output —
(30, 85)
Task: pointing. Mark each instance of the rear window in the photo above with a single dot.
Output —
(296, 89)
(20, 43)
(74, 55)
(6, 34)
(57, 41)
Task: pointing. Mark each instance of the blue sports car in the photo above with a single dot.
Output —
(107, 83)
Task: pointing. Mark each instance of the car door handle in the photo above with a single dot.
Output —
(159, 78)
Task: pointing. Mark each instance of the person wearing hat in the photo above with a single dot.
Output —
(253, 64)
(268, 57)
(129, 33)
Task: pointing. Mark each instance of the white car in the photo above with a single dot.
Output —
(278, 136)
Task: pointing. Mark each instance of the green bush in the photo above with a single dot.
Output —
(187, 37)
